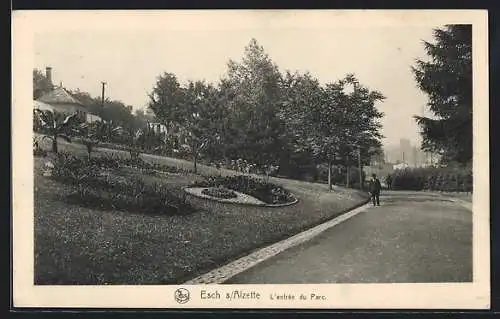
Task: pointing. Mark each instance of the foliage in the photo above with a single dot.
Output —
(192, 113)
(129, 195)
(255, 113)
(270, 119)
(41, 84)
(95, 187)
(67, 165)
(339, 175)
(267, 192)
(56, 125)
(115, 111)
(97, 132)
(330, 124)
(134, 138)
(446, 179)
(253, 128)
(219, 192)
(447, 80)
(37, 150)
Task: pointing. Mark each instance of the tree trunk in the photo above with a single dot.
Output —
(195, 160)
(329, 175)
(89, 150)
(360, 168)
(348, 182)
(348, 173)
(54, 145)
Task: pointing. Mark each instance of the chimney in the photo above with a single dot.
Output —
(48, 75)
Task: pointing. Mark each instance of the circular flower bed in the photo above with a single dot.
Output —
(219, 192)
(265, 192)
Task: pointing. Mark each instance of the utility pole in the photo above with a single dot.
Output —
(102, 96)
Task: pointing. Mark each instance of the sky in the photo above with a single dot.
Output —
(129, 59)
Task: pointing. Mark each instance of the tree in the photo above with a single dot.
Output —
(133, 137)
(343, 126)
(193, 113)
(112, 110)
(97, 132)
(447, 80)
(41, 84)
(300, 93)
(167, 99)
(203, 114)
(252, 87)
(57, 125)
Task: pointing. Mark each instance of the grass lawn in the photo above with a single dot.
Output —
(77, 245)
(463, 196)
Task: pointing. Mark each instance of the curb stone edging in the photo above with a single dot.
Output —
(230, 270)
(225, 201)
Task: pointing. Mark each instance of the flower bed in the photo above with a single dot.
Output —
(95, 186)
(268, 193)
(219, 192)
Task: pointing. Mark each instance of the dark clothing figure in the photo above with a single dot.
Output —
(376, 199)
(388, 181)
(375, 187)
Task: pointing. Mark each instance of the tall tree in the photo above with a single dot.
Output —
(194, 113)
(344, 126)
(167, 100)
(254, 84)
(301, 93)
(202, 120)
(447, 80)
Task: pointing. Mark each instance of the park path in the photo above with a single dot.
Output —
(413, 237)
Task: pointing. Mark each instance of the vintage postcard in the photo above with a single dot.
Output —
(251, 159)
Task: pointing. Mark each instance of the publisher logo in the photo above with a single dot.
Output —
(181, 295)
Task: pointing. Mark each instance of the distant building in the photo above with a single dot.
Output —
(405, 149)
(381, 170)
(158, 128)
(400, 166)
(92, 118)
(59, 100)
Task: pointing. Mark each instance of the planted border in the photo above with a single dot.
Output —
(95, 187)
(270, 194)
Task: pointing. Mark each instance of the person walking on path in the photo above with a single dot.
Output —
(375, 187)
(388, 181)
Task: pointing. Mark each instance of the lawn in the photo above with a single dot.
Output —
(78, 245)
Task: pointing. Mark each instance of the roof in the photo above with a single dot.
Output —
(41, 106)
(59, 96)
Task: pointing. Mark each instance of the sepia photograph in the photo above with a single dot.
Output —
(251, 158)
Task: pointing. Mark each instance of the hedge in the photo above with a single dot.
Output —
(444, 179)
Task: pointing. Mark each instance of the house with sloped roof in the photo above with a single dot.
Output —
(62, 101)
(58, 99)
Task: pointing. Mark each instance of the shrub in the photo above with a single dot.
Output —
(67, 164)
(37, 150)
(71, 169)
(267, 192)
(92, 187)
(219, 192)
(445, 179)
(131, 196)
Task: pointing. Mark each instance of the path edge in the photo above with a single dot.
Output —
(230, 270)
